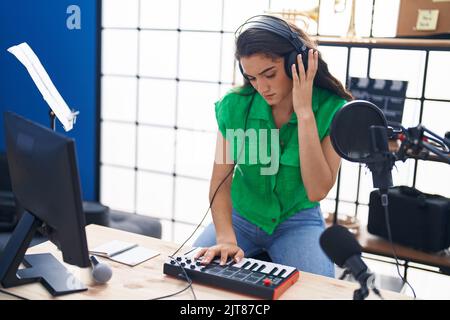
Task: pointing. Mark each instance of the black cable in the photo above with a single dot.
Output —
(224, 179)
(13, 295)
(210, 204)
(377, 292)
(438, 144)
(188, 279)
(384, 203)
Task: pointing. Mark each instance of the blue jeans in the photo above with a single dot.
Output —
(295, 242)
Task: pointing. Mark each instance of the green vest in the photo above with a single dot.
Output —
(268, 190)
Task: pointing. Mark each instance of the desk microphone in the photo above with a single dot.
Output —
(343, 249)
(101, 272)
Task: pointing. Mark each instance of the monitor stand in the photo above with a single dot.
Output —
(44, 268)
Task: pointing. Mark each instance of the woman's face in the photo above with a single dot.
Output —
(268, 77)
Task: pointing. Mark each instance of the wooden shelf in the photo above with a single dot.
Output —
(387, 43)
(376, 245)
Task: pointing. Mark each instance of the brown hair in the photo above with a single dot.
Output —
(253, 41)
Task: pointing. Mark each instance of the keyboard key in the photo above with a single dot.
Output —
(275, 269)
(283, 271)
(253, 266)
(261, 267)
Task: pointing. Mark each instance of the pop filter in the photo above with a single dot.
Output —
(350, 130)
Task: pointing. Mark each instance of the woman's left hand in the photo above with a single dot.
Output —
(303, 82)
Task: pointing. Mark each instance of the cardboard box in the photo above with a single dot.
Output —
(423, 18)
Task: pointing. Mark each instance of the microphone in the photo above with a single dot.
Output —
(101, 272)
(342, 248)
(359, 133)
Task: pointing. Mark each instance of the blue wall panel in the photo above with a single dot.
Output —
(70, 58)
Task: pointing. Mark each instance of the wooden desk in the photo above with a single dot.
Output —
(147, 281)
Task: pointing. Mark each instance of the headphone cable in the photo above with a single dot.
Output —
(188, 279)
(384, 203)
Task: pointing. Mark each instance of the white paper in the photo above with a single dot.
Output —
(135, 256)
(28, 58)
(124, 252)
(112, 248)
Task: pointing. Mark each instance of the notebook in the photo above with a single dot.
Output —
(124, 252)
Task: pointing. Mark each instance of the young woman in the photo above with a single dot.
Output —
(277, 212)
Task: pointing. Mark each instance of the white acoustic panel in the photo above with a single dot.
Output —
(433, 177)
(438, 76)
(385, 18)
(332, 193)
(334, 17)
(349, 181)
(363, 17)
(182, 231)
(236, 12)
(158, 53)
(154, 194)
(167, 227)
(156, 147)
(120, 14)
(224, 89)
(436, 117)
(327, 206)
(346, 209)
(411, 113)
(336, 58)
(403, 173)
(196, 105)
(201, 15)
(118, 145)
(408, 65)
(363, 215)
(195, 153)
(157, 101)
(199, 56)
(359, 59)
(191, 200)
(119, 98)
(228, 61)
(307, 7)
(117, 188)
(365, 185)
(119, 52)
(159, 14)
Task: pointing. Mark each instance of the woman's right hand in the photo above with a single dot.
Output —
(224, 250)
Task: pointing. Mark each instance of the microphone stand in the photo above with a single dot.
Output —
(52, 116)
(380, 166)
(413, 145)
(361, 293)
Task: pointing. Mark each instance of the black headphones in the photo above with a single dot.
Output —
(281, 28)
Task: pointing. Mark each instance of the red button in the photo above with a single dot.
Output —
(267, 282)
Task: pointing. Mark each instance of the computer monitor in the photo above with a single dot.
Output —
(45, 181)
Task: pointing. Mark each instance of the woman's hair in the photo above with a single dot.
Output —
(253, 41)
